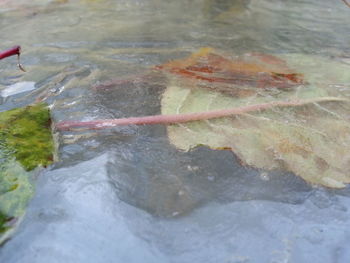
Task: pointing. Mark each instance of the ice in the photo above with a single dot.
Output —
(17, 88)
(76, 216)
(126, 194)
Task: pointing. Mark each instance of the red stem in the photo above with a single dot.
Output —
(16, 50)
(187, 117)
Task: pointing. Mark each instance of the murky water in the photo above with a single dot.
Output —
(127, 194)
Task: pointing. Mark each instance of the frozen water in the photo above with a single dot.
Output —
(18, 88)
(76, 216)
(126, 194)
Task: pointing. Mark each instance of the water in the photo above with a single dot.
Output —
(127, 195)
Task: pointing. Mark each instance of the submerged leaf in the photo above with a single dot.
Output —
(25, 143)
(312, 141)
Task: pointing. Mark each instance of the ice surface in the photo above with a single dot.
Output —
(126, 194)
(17, 88)
(76, 216)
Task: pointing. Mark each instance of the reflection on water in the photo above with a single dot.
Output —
(71, 47)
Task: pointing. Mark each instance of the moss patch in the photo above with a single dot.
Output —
(25, 132)
(25, 143)
(3, 220)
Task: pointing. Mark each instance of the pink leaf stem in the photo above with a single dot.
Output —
(187, 117)
(16, 50)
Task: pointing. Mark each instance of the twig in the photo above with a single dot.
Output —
(188, 117)
(16, 50)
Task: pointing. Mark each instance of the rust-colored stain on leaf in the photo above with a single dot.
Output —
(253, 69)
(285, 146)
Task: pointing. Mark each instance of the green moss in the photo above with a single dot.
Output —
(3, 221)
(16, 189)
(26, 132)
(25, 143)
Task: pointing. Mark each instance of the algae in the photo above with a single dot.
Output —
(25, 144)
(26, 131)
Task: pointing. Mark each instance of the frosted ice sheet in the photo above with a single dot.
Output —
(17, 88)
(86, 211)
(76, 216)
